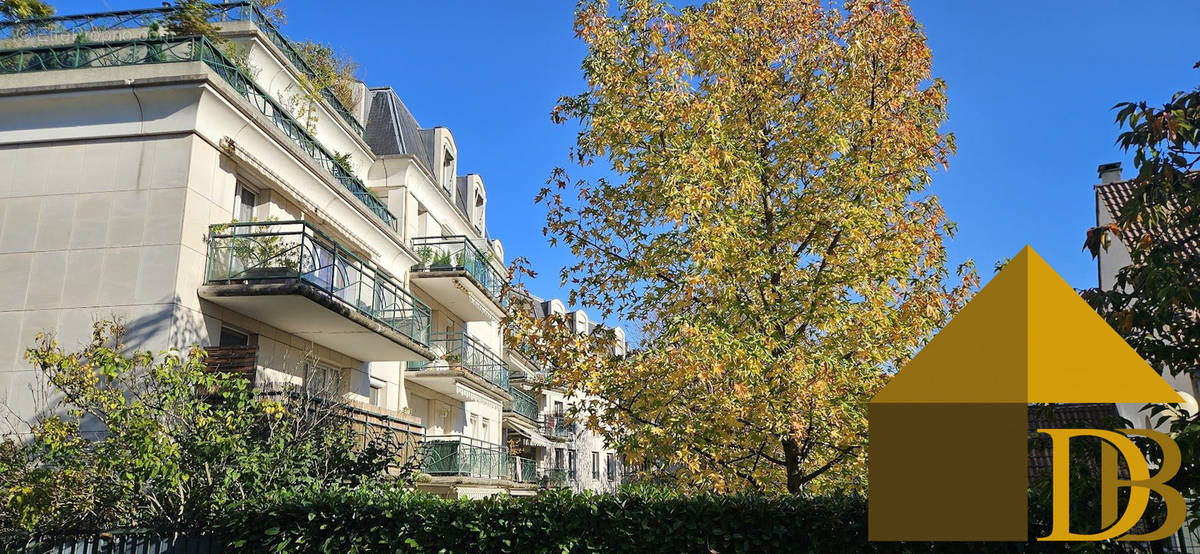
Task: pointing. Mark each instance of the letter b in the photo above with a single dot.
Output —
(1140, 485)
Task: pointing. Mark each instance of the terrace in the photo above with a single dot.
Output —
(193, 49)
(124, 24)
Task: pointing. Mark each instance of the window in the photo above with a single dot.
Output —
(474, 426)
(558, 458)
(571, 463)
(230, 337)
(246, 201)
(486, 428)
(611, 470)
(444, 420)
(558, 409)
(448, 172)
(322, 381)
(479, 212)
(595, 465)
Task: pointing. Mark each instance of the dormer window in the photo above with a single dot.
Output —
(478, 212)
(448, 172)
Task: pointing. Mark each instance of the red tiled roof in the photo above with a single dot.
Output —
(1114, 196)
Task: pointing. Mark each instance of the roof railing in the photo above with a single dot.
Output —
(66, 28)
(185, 49)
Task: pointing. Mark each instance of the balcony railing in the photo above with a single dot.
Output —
(457, 253)
(523, 404)
(464, 352)
(64, 29)
(141, 52)
(556, 425)
(452, 455)
(555, 477)
(524, 470)
(295, 250)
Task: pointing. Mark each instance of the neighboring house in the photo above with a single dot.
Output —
(1112, 193)
(123, 163)
(545, 434)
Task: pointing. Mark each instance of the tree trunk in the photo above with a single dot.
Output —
(791, 459)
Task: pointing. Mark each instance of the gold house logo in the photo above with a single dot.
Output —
(948, 456)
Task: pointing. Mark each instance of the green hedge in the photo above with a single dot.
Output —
(560, 521)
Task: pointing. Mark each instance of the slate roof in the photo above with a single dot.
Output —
(1115, 195)
(392, 129)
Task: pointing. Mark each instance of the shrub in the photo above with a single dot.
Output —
(644, 520)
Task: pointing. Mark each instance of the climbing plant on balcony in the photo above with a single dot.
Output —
(192, 18)
(334, 72)
(765, 223)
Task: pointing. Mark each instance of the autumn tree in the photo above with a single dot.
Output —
(16, 10)
(762, 218)
(1155, 300)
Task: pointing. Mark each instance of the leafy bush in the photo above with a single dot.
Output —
(644, 520)
(180, 444)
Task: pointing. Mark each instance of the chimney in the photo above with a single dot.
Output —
(1109, 173)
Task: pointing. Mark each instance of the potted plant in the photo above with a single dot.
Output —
(442, 260)
(260, 257)
(454, 361)
(424, 258)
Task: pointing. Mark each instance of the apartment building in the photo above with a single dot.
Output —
(148, 178)
(541, 427)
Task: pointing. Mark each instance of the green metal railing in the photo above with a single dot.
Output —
(295, 250)
(139, 52)
(524, 470)
(523, 404)
(464, 352)
(457, 253)
(554, 477)
(452, 455)
(557, 425)
(65, 28)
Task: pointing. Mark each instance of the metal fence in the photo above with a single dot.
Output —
(295, 250)
(458, 253)
(464, 352)
(132, 542)
(65, 29)
(167, 50)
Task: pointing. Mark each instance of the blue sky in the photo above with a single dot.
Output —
(1031, 86)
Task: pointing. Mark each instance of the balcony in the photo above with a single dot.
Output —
(557, 427)
(457, 456)
(193, 49)
(459, 276)
(291, 276)
(522, 405)
(555, 477)
(120, 25)
(524, 470)
(462, 356)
